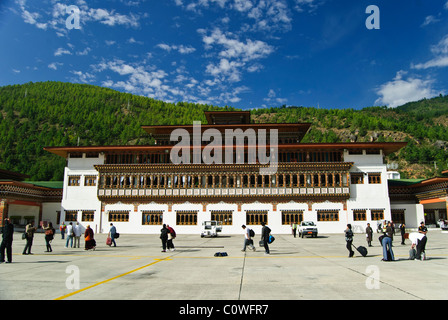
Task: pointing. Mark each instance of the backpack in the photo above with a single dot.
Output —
(251, 233)
(173, 233)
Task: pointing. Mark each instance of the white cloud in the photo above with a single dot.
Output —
(110, 18)
(268, 15)
(440, 50)
(30, 17)
(429, 20)
(83, 77)
(272, 98)
(400, 91)
(446, 6)
(55, 18)
(233, 48)
(131, 40)
(233, 56)
(179, 48)
(225, 70)
(55, 65)
(61, 51)
(84, 52)
(300, 5)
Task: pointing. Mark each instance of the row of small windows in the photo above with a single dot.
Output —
(253, 217)
(224, 180)
(89, 181)
(164, 157)
(240, 180)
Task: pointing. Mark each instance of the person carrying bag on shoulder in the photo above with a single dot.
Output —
(265, 232)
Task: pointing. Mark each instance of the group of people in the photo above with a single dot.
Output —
(249, 234)
(167, 235)
(418, 240)
(73, 232)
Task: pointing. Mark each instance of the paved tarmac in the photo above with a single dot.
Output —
(309, 268)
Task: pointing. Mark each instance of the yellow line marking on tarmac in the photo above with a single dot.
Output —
(108, 280)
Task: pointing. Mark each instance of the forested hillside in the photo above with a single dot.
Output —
(35, 115)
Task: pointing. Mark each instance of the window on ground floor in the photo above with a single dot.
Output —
(377, 214)
(119, 216)
(398, 215)
(254, 217)
(186, 217)
(359, 214)
(88, 215)
(152, 217)
(225, 216)
(71, 215)
(328, 215)
(292, 216)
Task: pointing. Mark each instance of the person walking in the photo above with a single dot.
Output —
(387, 243)
(7, 237)
(369, 235)
(77, 233)
(69, 235)
(112, 233)
(265, 232)
(49, 235)
(90, 242)
(29, 236)
(62, 228)
(349, 240)
(248, 233)
(403, 232)
(294, 229)
(164, 237)
(171, 237)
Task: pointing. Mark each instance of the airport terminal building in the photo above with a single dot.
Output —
(139, 188)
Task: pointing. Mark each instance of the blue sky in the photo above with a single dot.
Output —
(241, 53)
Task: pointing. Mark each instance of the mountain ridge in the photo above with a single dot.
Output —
(54, 113)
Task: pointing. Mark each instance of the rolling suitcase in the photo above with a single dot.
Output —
(362, 250)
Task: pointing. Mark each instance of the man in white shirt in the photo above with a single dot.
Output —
(69, 231)
(418, 242)
(77, 232)
(248, 239)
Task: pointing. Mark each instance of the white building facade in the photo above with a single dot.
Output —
(138, 188)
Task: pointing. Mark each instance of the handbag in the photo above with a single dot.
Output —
(108, 241)
(271, 239)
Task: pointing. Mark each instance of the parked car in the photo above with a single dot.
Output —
(307, 228)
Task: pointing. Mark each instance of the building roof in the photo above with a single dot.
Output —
(227, 117)
(10, 175)
(300, 128)
(416, 183)
(387, 147)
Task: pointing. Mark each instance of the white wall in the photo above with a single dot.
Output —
(362, 196)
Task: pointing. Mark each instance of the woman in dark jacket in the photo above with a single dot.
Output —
(49, 235)
(349, 240)
(164, 237)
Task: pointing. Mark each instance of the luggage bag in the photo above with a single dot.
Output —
(362, 250)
